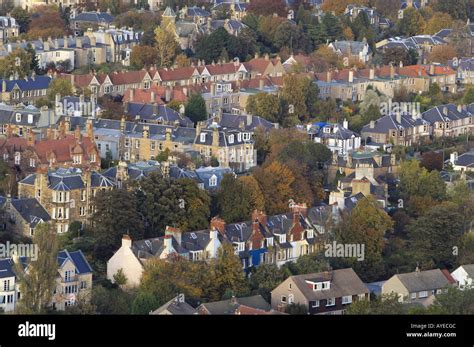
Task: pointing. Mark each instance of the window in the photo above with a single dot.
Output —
(213, 181)
(17, 158)
(152, 145)
(83, 284)
(291, 299)
(315, 304)
(231, 139)
(77, 159)
(32, 162)
(423, 294)
(18, 117)
(127, 143)
(283, 299)
(93, 158)
(67, 276)
(137, 143)
(413, 295)
(346, 299)
(83, 195)
(289, 286)
(203, 137)
(331, 302)
(82, 211)
(6, 285)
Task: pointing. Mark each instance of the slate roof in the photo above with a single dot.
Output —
(224, 138)
(157, 113)
(206, 173)
(446, 113)
(25, 84)
(136, 171)
(423, 280)
(235, 25)
(389, 122)
(94, 17)
(232, 121)
(229, 306)
(144, 249)
(350, 47)
(6, 268)
(31, 211)
(176, 308)
(197, 11)
(344, 282)
(336, 131)
(77, 258)
(466, 160)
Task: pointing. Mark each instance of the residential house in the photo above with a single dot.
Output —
(23, 215)
(73, 281)
(66, 194)
(464, 68)
(337, 137)
(423, 45)
(156, 114)
(80, 22)
(232, 148)
(377, 163)
(463, 163)
(208, 178)
(132, 256)
(25, 90)
(329, 292)
(401, 128)
(176, 306)
(185, 31)
(464, 275)
(353, 50)
(246, 122)
(58, 150)
(237, 9)
(255, 304)
(119, 43)
(450, 120)
(198, 15)
(9, 28)
(18, 120)
(418, 287)
(232, 26)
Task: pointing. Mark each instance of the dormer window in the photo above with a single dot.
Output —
(18, 117)
(203, 137)
(310, 234)
(239, 137)
(17, 158)
(213, 181)
(77, 159)
(30, 119)
(282, 238)
(231, 139)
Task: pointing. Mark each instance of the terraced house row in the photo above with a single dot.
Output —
(264, 239)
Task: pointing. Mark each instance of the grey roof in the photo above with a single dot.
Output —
(157, 113)
(423, 280)
(446, 113)
(30, 210)
(351, 47)
(227, 137)
(343, 282)
(175, 307)
(335, 131)
(466, 159)
(169, 12)
(231, 305)
(136, 171)
(6, 268)
(206, 173)
(94, 17)
(389, 122)
(245, 122)
(197, 11)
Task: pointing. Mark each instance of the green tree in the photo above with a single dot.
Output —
(366, 225)
(266, 278)
(227, 273)
(166, 47)
(59, 86)
(412, 22)
(196, 108)
(385, 304)
(160, 202)
(469, 96)
(144, 303)
(111, 301)
(265, 105)
(436, 235)
(196, 205)
(457, 9)
(237, 198)
(39, 280)
(17, 64)
(120, 279)
(116, 213)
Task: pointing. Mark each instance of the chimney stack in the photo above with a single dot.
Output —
(218, 224)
